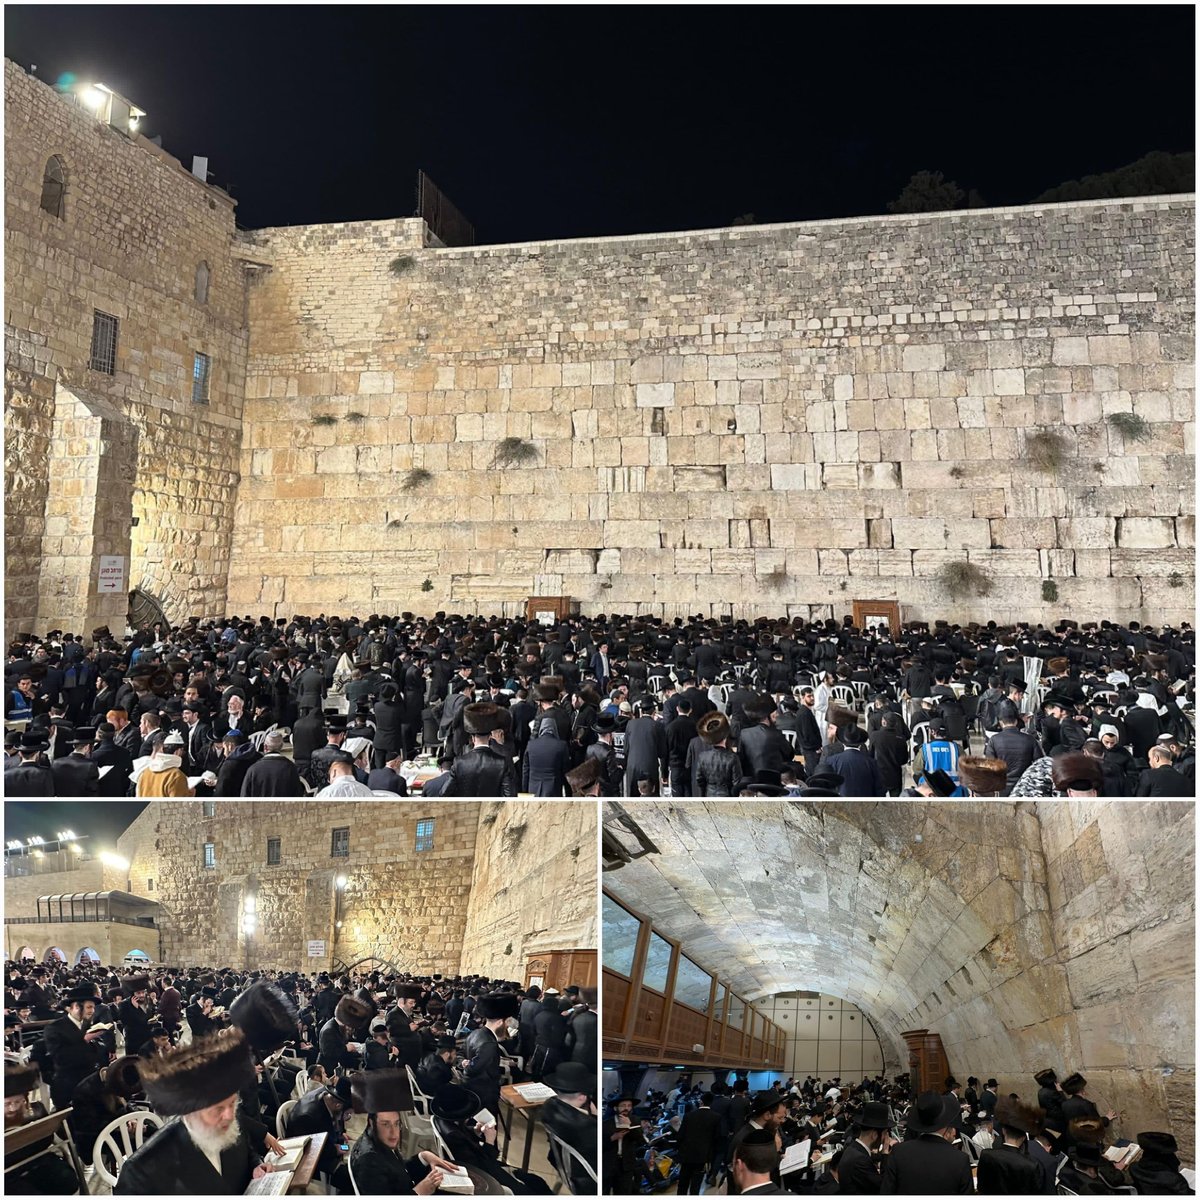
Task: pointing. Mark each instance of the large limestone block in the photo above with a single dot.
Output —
(699, 479)
(1087, 533)
(1014, 534)
(924, 358)
(655, 395)
(795, 476)
(1145, 533)
(632, 534)
(847, 533)
(931, 534)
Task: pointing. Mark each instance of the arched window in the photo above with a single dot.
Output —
(202, 283)
(54, 187)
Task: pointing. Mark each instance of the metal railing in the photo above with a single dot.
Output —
(67, 919)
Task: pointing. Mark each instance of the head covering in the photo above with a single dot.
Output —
(481, 719)
(764, 1101)
(874, 1115)
(199, 1075)
(713, 727)
(265, 1015)
(1076, 770)
(1016, 1114)
(933, 1111)
(352, 1012)
(571, 1077)
(454, 1103)
(386, 1090)
(983, 776)
(495, 1005)
(20, 1078)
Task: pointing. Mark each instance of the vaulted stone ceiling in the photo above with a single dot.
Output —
(1024, 934)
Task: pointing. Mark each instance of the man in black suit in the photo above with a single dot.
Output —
(755, 1164)
(72, 1047)
(198, 1083)
(1007, 1168)
(697, 1145)
(761, 746)
(680, 732)
(766, 1114)
(621, 1142)
(107, 753)
(75, 774)
(858, 1172)
(580, 1043)
(891, 752)
(929, 1164)
(1077, 1105)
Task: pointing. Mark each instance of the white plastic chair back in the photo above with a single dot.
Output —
(791, 736)
(416, 1134)
(301, 1084)
(285, 1111)
(1063, 1190)
(421, 1100)
(655, 684)
(843, 693)
(120, 1143)
(350, 1169)
(256, 739)
(860, 690)
(443, 1149)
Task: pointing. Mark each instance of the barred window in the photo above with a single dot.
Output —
(201, 365)
(209, 808)
(210, 855)
(425, 835)
(339, 846)
(54, 188)
(273, 854)
(104, 342)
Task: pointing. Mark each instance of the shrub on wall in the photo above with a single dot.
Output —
(415, 478)
(961, 579)
(514, 452)
(1045, 450)
(402, 265)
(324, 419)
(1133, 428)
(1049, 591)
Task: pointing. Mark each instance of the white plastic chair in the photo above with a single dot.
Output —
(561, 1155)
(285, 1111)
(655, 684)
(443, 1149)
(843, 693)
(421, 1100)
(350, 1169)
(791, 736)
(116, 1138)
(301, 1084)
(256, 739)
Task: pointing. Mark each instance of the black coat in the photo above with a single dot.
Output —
(857, 1175)
(29, 779)
(646, 753)
(1050, 1100)
(1160, 781)
(544, 771)
(679, 736)
(581, 1038)
(311, 1115)
(170, 1163)
(1007, 1171)
(482, 1076)
(891, 756)
(273, 775)
(75, 775)
(384, 779)
(483, 771)
(308, 734)
(764, 748)
(382, 1172)
(115, 782)
(578, 1130)
(718, 772)
(388, 719)
(1016, 750)
(73, 1059)
(432, 1073)
(333, 1054)
(699, 1133)
(927, 1166)
(232, 773)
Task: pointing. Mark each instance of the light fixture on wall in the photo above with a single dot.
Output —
(249, 914)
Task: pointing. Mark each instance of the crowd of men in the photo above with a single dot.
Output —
(876, 1137)
(604, 705)
(215, 1053)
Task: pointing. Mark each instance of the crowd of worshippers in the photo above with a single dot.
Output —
(876, 1137)
(222, 1050)
(601, 706)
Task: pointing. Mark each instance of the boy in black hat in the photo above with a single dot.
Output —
(31, 776)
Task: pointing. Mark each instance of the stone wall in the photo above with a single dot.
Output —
(534, 885)
(110, 941)
(1024, 935)
(86, 451)
(399, 905)
(1120, 879)
(730, 421)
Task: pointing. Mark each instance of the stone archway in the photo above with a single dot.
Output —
(26, 954)
(87, 954)
(54, 954)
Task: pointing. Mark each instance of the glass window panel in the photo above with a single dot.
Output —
(620, 937)
(658, 962)
(692, 985)
(736, 1011)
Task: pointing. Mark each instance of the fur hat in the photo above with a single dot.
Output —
(1087, 1129)
(497, 1004)
(1046, 1077)
(123, 1077)
(265, 1015)
(584, 776)
(836, 715)
(1153, 1143)
(19, 1079)
(1076, 769)
(1016, 1114)
(352, 1012)
(547, 691)
(199, 1075)
(385, 1090)
(1074, 1083)
(133, 983)
(480, 719)
(1055, 666)
(713, 727)
(983, 776)
(407, 991)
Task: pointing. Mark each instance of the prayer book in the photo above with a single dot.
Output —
(534, 1091)
(457, 1181)
(795, 1158)
(485, 1118)
(294, 1149)
(274, 1183)
(104, 770)
(1123, 1155)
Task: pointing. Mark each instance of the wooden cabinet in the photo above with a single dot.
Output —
(869, 613)
(549, 610)
(927, 1062)
(561, 968)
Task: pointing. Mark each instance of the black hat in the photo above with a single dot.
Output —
(210, 992)
(1153, 1143)
(941, 783)
(454, 1103)
(407, 991)
(824, 781)
(951, 1082)
(83, 736)
(1085, 1153)
(933, 1111)
(446, 1043)
(874, 1115)
(31, 740)
(571, 1077)
(1046, 1077)
(19, 1078)
(386, 1090)
(764, 1101)
(122, 1076)
(497, 1004)
(1074, 1083)
(335, 723)
(266, 1016)
(199, 1075)
(605, 723)
(481, 719)
(79, 994)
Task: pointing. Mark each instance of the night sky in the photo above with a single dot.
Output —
(101, 821)
(573, 121)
